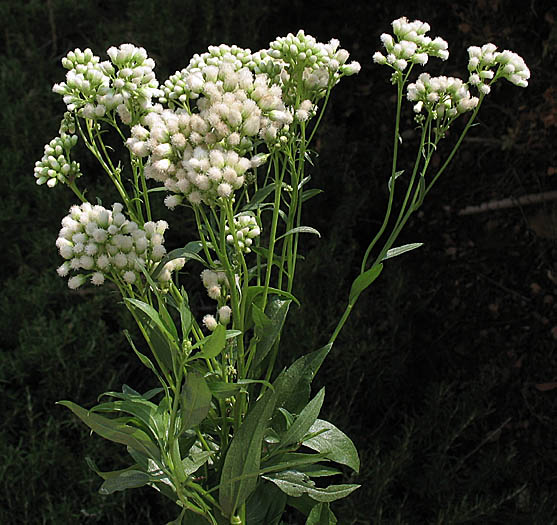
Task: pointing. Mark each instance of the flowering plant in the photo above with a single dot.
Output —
(224, 436)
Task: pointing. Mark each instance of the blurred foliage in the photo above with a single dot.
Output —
(438, 376)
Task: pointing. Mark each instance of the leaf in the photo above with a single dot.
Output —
(321, 514)
(268, 332)
(114, 430)
(195, 400)
(291, 461)
(214, 344)
(266, 505)
(392, 179)
(363, 281)
(544, 387)
(141, 409)
(300, 229)
(293, 384)
(160, 340)
(196, 460)
(319, 471)
(304, 421)
(128, 479)
(259, 196)
(222, 389)
(296, 484)
(335, 444)
(308, 194)
(254, 291)
(241, 464)
(189, 251)
(399, 250)
(421, 193)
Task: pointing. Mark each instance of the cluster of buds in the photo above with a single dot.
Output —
(188, 83)
(410, 45)
(322, 64)
(442, 97)
(56, 165)
(482, 61)
(93, 88)
(104, 244)
(246, 230)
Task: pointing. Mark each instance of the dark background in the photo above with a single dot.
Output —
(445, 375)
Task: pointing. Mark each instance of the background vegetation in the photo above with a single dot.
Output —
(446, 374)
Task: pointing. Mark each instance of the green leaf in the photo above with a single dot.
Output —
(399, 250)
(189, 251)
(335, 444)
(161, 342)
(214, 344)
(142, 409)
(300, 229)
(241, 464)
(321, 514)
(293, 384)
(392, 179)
(115, 430)
(295, 484)
(308, 194)
(222, 389)
(270, 329)
(128, 479)
(186, 319)
(195, 400)
(363, 281)
(318, 470)
(259, 196)
(291, 461)
(195, 460)
(304, 421)
(421, 193)
(266, 505)
(254, 291)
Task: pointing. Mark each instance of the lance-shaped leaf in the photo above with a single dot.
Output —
(333, 443)
(304, 421)
(300, 229)
(259, 196)
(269, 331)
(321, 514)
(293, 384)
(363, 281)
(144, 410)
(213, 345)
(243, 458)
(161, 342)
(266, 505)
(127, 479)
(115, 430)
(296, 484)
(195, 400)
(189, 251)
(195, 460)
(399, 250)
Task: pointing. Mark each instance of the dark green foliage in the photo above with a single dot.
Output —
(433, 377)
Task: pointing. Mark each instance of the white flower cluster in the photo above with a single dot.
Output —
(322, 64)
(224, 313)
(200, 155)
(187, 83)
(246, 228)
(442, 97)
(410, 45)
(105, 244)
(94, 88)
(509, 65)
(55, 165)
